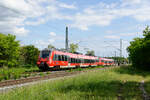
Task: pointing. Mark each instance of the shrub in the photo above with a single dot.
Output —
(139, 51)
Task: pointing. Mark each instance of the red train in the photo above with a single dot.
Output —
(55, 59)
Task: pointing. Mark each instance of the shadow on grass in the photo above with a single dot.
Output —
(132, 71)
(147, 87)
(104, 89)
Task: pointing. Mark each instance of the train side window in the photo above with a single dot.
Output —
(59, 57)
(74, 60)
(82, 60)
(79, 60)
(62, 57)
(71, 60)
(65, 58)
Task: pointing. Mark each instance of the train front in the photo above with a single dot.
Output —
(44, 59)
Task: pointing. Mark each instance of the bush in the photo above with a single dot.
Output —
(139, 51)
(9, 50)
(29, 55)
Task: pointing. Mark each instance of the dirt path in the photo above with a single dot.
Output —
(144, 93)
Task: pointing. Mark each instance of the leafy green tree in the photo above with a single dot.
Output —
(51, 46)
(73, 47)
(90, 53)
(139, 50)
(29, 54)
(9, 50)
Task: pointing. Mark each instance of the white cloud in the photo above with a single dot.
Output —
(20, 31)
(63, 5)
(52, 34)
(15, 12)
(130, 2)
(58, 42)
(51, 40)
(128, 34)
(41, 44)
(86, 19)
(18, 13)
(102, 14)
(112, 37)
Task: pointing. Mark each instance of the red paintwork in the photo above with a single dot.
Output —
(49, 61)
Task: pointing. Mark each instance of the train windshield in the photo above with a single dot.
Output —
(45, 53)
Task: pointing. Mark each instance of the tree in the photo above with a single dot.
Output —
(51, 46)
(29, 54)
(73, 47)
(9, 50)
(90, 53)
(139, 50)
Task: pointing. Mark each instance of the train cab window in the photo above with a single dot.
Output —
(45, 53)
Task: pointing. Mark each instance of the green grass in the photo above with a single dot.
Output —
(85, 68)
(15, 73)
(25, 71)
(99, 85)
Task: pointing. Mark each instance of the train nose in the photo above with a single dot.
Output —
(43, 66)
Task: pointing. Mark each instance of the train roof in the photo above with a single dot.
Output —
(75, 55)
(107, 59)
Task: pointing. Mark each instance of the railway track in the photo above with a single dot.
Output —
(53, 74)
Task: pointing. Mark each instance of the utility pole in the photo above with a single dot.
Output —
(120, 47)
(66, 43)
(120, 51)
(115, 58)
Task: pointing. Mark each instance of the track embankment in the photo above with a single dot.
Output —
(52, 75)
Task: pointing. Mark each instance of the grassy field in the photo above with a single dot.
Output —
(15, 73)
(24, 72)
(108, 84)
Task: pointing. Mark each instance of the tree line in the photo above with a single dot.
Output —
(139, 50)
(12, 54)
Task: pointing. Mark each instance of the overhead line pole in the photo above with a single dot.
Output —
(66, 43)
(120, 47)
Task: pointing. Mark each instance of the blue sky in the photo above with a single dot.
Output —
(95, 24)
